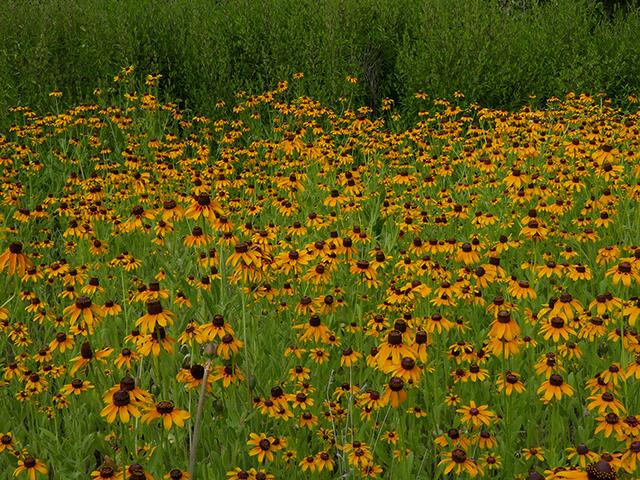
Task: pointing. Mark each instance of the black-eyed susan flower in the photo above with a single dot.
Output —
(156, 315)
(85, 311)
(228, 346)
(624, 273)
(167, 413)
(30, 467)
(87, 355)
(610, 424)
(407, 370)
(120, 405)
(76, 387)
(533, 452)
(6, 441)
(106, 472)
(556, 329)
(126, 358)
(14, 260)
(393, 350)
(62, 342)
(229, 374)
(217, 328)
(476, 415)
(510, 382)
(504, 326)
(156, 342)
(177, 474)
(554, 388)
(581, 455)
(136, 471)
(605, 402)
(349, 357)
(308, 463)
(262, 446)
(395, 393)
(324, 461)
(457, 462)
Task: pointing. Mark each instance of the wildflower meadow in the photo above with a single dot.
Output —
(292, 290)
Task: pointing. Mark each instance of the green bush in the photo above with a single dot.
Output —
(497, 52)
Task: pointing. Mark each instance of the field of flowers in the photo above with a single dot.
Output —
(293, 291)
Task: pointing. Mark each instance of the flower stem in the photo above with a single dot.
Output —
(198, 421)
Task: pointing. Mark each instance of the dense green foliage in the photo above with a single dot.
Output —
(496, 52)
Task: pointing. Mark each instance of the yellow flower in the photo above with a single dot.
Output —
(554, 388)
(476, 415)
(262, 446)
(31, 467)
(168, 414)
(120, 405)
(457, 462)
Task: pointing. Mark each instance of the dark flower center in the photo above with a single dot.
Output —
(394, 337)
(504, 316)
(106, 472)
(121, 398)
(197, 372)
(624, 267)
(128, 384)
(83, 302)
(164, 407)
(612, 418)
(557, 322)
(362, 264)
(566, 298)
(15, 248)
(408, 363)
(264, 444)
(85, 351)
(600, 470)
(556, 380)
(203, 199)
(154, 307)
(582, 449)
(459, 455)
(396, 384)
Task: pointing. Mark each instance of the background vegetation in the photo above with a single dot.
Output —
(498, 52)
